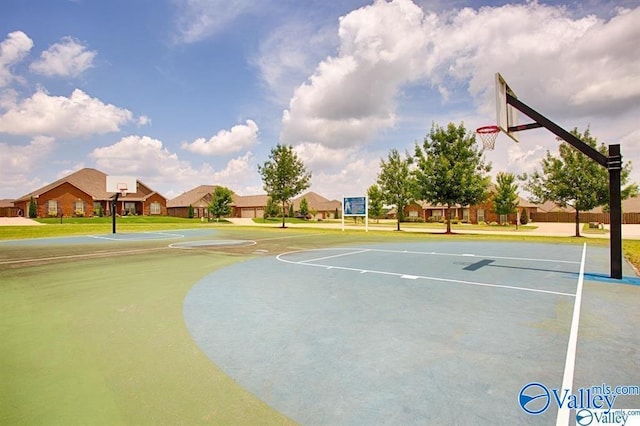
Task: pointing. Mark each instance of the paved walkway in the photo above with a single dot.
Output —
(18, 221)
(548, 229)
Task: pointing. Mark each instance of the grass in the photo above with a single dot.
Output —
(100, 225)
(103, 340)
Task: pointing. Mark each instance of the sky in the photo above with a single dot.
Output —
(181, 93)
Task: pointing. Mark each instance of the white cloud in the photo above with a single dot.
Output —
(150, 161)
(199, 19)
(237, 174)
(289, 55)
(17, 163)
(239, 138)
(352, 96)
(69, 58)
(13, 49)
(75, 116)
(318, 157)
(143, 120)
(354, 178)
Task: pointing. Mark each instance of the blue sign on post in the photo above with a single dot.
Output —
(354, 206)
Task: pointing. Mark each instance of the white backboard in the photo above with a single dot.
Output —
(122, 184)
(506, 115)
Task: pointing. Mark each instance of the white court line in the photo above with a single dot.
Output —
(569, 365)
(79, 256)
(401, 275)
(483, 256)
(331, 257)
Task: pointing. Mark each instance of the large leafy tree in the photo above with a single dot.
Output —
(571, 179)
(284, 176)
(396, 182)
(450, 169)
(221, 200)
(375, 202)
(505, 199)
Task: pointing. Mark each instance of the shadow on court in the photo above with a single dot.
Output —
(420, 333)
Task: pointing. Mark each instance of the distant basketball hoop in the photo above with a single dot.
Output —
(488, 135)
(123, 188)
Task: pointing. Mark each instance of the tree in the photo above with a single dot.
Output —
(284, 175)
(271, 209)
(190, 212)
(304, 208)
(221, 200)
(505, 200)
(375, 202)
(397, 184)
(572, 179)
(450, 169)
(524, 217)
(33, 208)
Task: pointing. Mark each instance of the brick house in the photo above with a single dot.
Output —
(323, 207)
(83, 193)
(198, 198)
(474, 214)
(244, 206)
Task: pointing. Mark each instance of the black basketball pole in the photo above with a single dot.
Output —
(612, 162)
(114, 206)
(615, 211)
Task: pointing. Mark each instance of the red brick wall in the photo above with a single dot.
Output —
(146, 205)
(66, 195)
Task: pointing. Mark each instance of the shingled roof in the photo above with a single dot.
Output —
(92, 182)
(193, 197)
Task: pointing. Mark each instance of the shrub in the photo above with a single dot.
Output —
(33, 208)
(524, 217)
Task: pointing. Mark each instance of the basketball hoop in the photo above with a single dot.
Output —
(122, 188)
(488, 134)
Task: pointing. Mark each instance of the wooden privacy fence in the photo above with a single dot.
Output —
(627, 218)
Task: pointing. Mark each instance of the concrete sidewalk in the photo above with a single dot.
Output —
(547, 229)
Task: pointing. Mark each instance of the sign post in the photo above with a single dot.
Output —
(355, 207)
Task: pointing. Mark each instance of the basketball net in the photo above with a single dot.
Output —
(488, 135)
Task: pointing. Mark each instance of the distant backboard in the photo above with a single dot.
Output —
(506, 115)
(122, 184)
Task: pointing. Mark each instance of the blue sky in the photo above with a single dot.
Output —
(180, 93)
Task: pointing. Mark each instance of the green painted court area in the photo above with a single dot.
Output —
(229, 325)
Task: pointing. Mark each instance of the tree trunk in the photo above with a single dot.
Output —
(398, 225)
(448, 213)
(283, 225)
(577, 223)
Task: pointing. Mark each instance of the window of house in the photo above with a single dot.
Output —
(130, 208)
(504, 218)
(413, 213)
(437, 214)
(52, 208)
(155, 208)
(78, 208)
(481, 215)
(465, 215)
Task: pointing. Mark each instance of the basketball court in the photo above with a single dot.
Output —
(444, 333)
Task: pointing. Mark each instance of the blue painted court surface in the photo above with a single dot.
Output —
(418, 333)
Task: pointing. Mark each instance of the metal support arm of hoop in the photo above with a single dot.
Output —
(612, 162)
